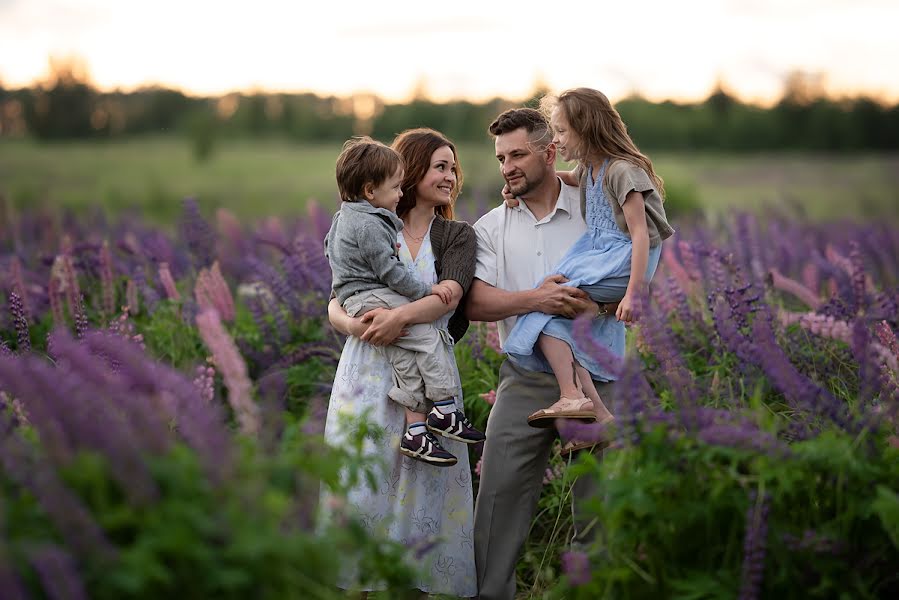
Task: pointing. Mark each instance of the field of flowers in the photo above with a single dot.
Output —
(162, 396)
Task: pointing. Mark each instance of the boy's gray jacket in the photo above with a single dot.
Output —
(361, 248)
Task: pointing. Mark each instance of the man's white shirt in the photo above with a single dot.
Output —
(516, 251)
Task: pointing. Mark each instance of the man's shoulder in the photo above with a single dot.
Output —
(491, 218)
(570, 198)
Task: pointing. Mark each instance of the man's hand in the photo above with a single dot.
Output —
(562, 300)
(510, 200)
(442, 291)
(383, 326)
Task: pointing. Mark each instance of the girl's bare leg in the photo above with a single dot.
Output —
(561, 360)
(602, 412)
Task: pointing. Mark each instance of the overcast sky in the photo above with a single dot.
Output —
(465, 48)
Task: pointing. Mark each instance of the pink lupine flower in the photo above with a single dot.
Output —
(54, 293)
(489, 397)
(492, 338)
(887, 338)
(810, 277)
(205, 381)
(677, 271)
(477, 467)
(233, 369)
(228, 225)
(791, 286)
(132, 305)
(168, 282)
(211, 291)
(823, 325)
(124, 327)
(552, 474)
(576, 566)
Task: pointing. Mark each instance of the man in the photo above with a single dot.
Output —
(516, 247)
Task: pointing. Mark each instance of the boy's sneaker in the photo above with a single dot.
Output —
(425, 447)
(454, 426)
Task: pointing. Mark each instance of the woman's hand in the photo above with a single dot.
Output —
(383, 326)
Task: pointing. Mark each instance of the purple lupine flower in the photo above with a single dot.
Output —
(19, 287)
(197, 233)
(754, 546)
(20, 321)
(576, 566)
(80, 314)
(200, 424)
(107, 283)
(76, 405)
(71, 518)
(10, 586)
(58, 573)
(743, 436)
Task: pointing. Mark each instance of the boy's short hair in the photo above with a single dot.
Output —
(364, 160)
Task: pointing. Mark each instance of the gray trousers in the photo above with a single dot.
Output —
(514, 462)
(422, 367)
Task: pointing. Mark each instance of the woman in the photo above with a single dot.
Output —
(414, 503)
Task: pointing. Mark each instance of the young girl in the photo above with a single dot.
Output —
(621, 196)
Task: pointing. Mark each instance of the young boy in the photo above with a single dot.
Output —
(367, 273)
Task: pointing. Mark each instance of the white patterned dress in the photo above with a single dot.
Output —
(415, 503)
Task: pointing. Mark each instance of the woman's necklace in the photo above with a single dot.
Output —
(412, 236)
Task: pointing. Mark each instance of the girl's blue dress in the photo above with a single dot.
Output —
(600, 263)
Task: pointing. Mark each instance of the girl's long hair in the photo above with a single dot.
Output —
(593, 118)
(416, 147)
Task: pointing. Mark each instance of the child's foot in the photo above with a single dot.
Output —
(566, 408)
(575, 445)
(446, 420)
(420, 444)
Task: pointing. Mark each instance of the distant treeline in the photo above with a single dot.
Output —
(71, 108)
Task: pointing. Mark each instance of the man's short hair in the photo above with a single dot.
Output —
(532, 120)
(364, 160)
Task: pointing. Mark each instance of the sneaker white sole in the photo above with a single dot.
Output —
(452, 436)
(431, 460)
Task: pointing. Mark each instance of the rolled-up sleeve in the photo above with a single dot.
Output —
(486, 232)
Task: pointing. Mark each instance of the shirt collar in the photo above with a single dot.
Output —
(567, 201)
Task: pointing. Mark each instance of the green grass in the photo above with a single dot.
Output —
(261, 178)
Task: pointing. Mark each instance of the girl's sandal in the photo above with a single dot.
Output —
(566, 408)
(572, 446)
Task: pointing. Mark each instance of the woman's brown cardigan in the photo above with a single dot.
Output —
(455, 256)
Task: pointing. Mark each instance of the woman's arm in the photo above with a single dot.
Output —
(344, 323)
(635, 216)
(384, 325)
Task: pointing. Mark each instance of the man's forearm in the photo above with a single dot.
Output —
(487, 303)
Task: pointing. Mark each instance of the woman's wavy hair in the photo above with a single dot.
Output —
(416, 146)
(598, 124)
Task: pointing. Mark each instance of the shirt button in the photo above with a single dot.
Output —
(539, 253)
